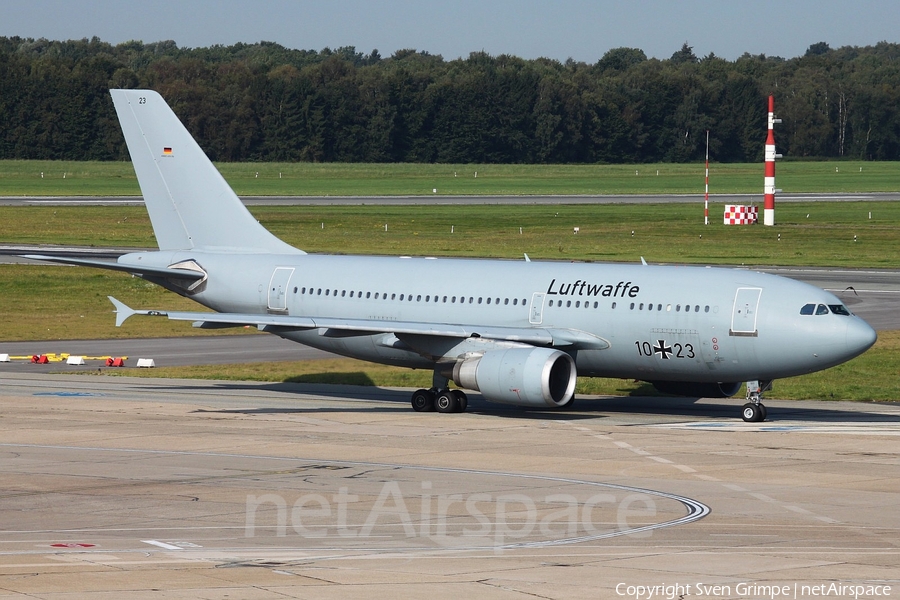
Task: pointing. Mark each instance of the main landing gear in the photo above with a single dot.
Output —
(439, 397)
(443, 401)
(755, 411)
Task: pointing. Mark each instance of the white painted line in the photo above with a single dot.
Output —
(828, 519)
(742, 535)
(862, 291)
(660, 460)
(763, 497)
(685, 468)
(161, 545)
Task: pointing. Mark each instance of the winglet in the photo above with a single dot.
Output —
(122, 311)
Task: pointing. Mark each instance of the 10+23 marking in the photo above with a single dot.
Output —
(664, 350)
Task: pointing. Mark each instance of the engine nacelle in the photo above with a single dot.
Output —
(521, 376)
(697, 389)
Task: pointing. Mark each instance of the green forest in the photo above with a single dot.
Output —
(265, 102)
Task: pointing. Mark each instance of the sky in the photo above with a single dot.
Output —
(583, 30)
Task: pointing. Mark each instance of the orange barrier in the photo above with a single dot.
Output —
(51, 357)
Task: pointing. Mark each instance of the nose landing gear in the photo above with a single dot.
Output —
(755, 411)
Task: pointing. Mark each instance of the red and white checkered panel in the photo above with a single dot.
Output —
(738, 214)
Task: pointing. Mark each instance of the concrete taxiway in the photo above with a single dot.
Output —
(120, 487)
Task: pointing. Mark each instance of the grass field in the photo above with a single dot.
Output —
(24, 178)
(824, 233)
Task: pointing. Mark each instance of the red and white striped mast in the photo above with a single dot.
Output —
(769, 181)
(706, 197)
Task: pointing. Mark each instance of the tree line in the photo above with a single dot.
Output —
(265, 102)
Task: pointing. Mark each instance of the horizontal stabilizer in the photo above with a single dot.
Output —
(114, 266)
(123, 311)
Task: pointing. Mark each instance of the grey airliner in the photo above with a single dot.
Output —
(519, 332)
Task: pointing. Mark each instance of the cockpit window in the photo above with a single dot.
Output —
(821, 309)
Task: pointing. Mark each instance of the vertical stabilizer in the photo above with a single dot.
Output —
(190, 203)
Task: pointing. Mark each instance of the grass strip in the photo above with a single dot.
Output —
(851, 234)
(70, 178)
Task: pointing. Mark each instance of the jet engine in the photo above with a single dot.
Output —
(697, 389)
(522, 376)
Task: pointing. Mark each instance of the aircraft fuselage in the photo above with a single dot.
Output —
(667, 323)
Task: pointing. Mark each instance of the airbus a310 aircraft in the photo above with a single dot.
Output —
(520, 332)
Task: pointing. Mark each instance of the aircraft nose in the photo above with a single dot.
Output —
(860, 336)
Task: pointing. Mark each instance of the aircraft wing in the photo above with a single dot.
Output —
(332, 327)
(114, 266)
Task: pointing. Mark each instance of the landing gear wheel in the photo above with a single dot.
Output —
(447, 402)
(462, 399)
(765, 413)
(423, 401)
(752, 413)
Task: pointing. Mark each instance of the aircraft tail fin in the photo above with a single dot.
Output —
(190, 203)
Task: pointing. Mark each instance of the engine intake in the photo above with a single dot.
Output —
(521, 376)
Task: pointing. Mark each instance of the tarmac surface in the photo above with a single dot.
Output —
(121, 487)
(115, 487)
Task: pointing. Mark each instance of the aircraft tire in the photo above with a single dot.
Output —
(447, 402)
(752, 413)
(462, 400)
(423, 401)
(763, 412)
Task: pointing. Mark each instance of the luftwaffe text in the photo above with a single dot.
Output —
(623, 289)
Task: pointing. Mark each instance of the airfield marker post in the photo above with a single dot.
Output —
(706, 197)
(769, 180)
